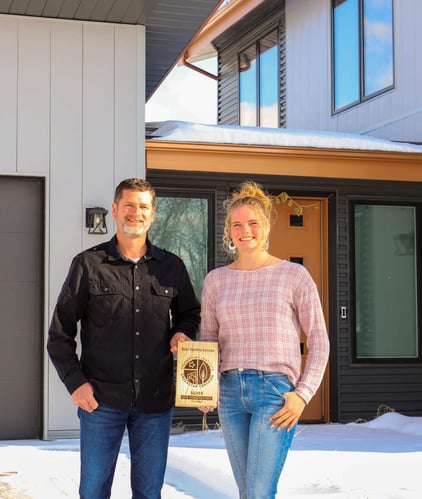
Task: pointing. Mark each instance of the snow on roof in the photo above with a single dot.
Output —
(182, 131)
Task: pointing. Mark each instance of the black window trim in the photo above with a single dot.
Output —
(384, 361)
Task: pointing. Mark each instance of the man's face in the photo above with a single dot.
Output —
(133, 213)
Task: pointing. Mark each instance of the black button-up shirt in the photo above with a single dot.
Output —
(128, 313)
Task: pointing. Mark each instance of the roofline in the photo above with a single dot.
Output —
(201, 46)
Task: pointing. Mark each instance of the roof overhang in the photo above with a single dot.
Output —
(283, 161)
(170, 24)
(201, 46)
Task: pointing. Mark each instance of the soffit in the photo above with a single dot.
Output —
(170, 24)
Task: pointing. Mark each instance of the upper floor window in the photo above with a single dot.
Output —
(259, 83)
(362, 50)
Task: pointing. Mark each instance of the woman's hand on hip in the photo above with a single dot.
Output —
(290, 413)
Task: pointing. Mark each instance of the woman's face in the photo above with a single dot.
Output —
(246, 228)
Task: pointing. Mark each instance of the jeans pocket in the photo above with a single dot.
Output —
(277, 384)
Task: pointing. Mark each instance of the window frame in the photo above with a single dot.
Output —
(362, 98)
(256, 45)
(196, 194)
(418, 288)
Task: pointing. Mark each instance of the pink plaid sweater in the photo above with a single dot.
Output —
(257, 316)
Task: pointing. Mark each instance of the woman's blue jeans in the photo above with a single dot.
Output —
(256, 451)
(101, 437)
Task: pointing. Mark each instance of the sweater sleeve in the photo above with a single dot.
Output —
(311, 319)
(209, 322)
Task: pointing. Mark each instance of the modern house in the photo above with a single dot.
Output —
(74, 80)
(313, 68)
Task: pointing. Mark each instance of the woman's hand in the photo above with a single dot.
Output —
(290, 413)
(206, 410)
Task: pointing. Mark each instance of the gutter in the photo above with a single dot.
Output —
(196, 68)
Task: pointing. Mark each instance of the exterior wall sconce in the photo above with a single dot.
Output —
(95, 220)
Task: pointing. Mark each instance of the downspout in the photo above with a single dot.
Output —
(199, 70)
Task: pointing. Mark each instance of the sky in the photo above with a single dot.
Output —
(185, 95)
(379, 459)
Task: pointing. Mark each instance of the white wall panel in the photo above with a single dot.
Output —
(98, 119)
(8, 93)
(390, 115)
(128, 131)
(33, 137)
(66, 139)
(72, 100)
(308, 63)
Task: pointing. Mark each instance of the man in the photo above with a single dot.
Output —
(122, 293)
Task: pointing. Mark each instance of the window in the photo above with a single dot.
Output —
(259, 82)
(387, 326)
(182, 226)
(362, 50)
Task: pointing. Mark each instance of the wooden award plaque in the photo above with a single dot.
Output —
(197, 374)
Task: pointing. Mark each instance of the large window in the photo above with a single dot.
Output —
(386, 282)
(182, 226)
(362, 50)
(259, 83)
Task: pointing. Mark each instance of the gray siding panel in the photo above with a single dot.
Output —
(268, 16)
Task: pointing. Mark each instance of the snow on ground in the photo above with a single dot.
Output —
(380, 459)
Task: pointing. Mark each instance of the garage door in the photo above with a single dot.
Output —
(21, 306)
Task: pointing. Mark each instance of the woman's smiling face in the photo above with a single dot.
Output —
(246, 229)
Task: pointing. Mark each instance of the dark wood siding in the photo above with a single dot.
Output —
(356, 391)
(265, 18)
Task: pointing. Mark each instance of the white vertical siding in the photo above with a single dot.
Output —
(394, 115)
(72, 100)
(8, 94)
(33, 143)
(308, 63)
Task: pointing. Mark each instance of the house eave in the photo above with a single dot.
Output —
(283, 161)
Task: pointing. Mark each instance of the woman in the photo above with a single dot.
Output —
(255, 308)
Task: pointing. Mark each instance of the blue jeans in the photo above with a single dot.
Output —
(101, 437)
(256, 451)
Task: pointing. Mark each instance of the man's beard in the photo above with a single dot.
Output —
(134, 231)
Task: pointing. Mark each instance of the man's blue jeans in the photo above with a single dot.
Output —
(256, 451)
(101, 436)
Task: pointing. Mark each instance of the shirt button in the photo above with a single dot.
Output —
(137, 310)
(136, 380)
(136, 356)
(137, 333)
(137, 287)
(166, 291)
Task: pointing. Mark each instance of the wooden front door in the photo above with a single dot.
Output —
(303, 239)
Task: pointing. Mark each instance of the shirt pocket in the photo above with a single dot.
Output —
(105, 300)
(162, 297)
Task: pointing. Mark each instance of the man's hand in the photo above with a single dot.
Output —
(176, 338)
(290, 413)
(83, 397)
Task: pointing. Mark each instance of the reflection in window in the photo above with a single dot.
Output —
(181, 226)
(248, 87)
(386, 282)
(259, 82)
(362, 49)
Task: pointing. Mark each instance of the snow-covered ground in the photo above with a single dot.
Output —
(381, 459)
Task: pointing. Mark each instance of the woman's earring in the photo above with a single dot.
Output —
(232, 247)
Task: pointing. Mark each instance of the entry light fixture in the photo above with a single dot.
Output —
(95, 220)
